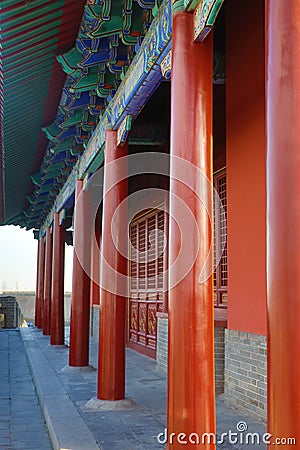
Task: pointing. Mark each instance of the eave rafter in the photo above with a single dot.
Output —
(120, 56)
(2, 203)
(32, 33)
(110, 34)
(150, 65)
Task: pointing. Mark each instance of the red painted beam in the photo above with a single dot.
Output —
(283, 217)
(57, 324)
(191, 397)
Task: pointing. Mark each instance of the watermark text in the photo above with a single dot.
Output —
(239, 436)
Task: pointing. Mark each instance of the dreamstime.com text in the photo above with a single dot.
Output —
(238, 436)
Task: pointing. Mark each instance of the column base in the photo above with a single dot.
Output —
(110, 405)
(78, 369)
(57, 346)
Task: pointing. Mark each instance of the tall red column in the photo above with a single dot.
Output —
(57, 291)
(95, 268)
(111, 367)
(283, 216)
(191, 398)
(47, 283)
(37, 306)
(80, 301)
(40, 284)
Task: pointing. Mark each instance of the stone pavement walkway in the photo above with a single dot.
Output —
(73, 425)
(22, 424)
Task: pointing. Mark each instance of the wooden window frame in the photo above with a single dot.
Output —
(220, 291)
(141, 217)
(143, 340)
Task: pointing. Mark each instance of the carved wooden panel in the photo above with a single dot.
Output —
(147, 247)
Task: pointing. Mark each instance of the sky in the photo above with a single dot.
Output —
(18, 260)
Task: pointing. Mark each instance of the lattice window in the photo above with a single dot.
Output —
(220, 240)
(147, 252)
(133, 265)
(142, 255)
(151, 257)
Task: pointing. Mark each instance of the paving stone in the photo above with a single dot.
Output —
(122, 445)
(5, 433)
(22, 424)
(5, 425)
(135, 429)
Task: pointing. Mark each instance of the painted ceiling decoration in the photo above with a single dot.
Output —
(70, 68)
(32, 33)
(1, 146)
(47, 52)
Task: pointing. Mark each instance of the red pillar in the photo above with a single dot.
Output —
(40, 284)
(95, 268)
(191, 398)
(57, 291)
(111, 367)
(166, 265)
(37, 306)
(283, 217)
(80, 301)
(47, 283)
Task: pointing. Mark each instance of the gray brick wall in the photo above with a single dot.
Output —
(162, 352)
(94, 321)
(219, 359)
(26, 302)
(162, 344)
(12, 314)
(246, 372)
